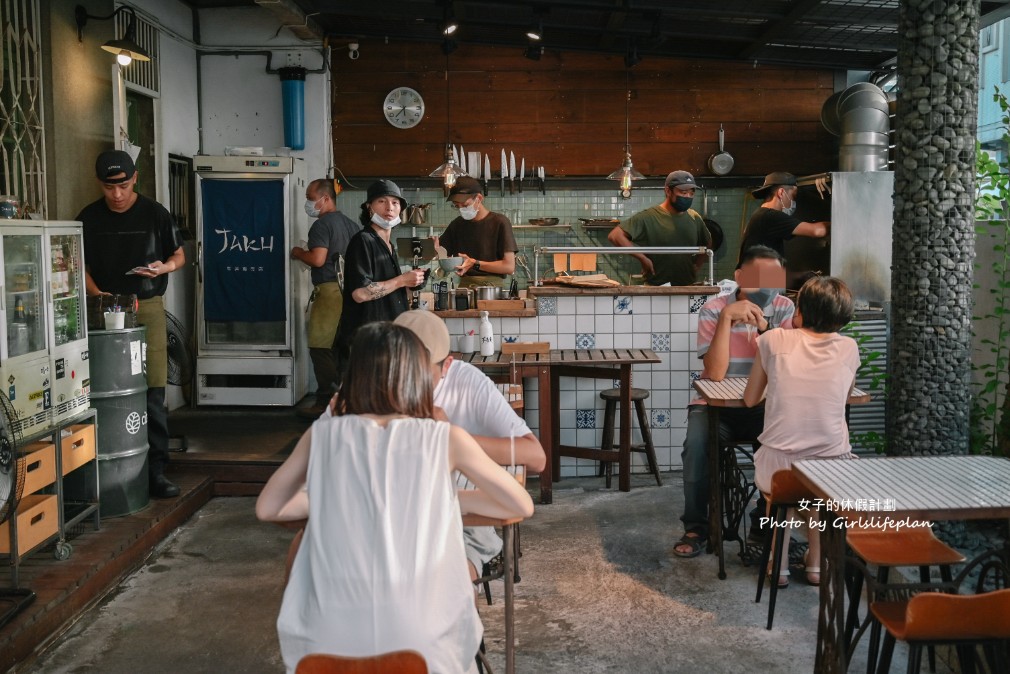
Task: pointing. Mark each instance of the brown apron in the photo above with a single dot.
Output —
(151, 313)
(324, 315)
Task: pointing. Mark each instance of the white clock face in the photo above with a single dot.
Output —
(403, 107)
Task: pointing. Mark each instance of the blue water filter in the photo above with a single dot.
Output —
(293, 96)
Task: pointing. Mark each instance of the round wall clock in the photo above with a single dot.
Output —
(403, 107)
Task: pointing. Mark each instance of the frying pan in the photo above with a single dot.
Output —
(721, 163)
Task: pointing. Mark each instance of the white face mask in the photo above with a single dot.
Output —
(469, 212)
(789, 210)
(310, 208)
(385, 224)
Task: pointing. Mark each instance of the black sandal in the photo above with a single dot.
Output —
(693, 540)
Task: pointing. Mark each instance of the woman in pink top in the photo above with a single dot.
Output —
(806, 375)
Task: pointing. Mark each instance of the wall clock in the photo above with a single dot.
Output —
(403, 107)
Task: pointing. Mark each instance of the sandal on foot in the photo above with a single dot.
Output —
(813, 573)
(783, 580)
(693, 541)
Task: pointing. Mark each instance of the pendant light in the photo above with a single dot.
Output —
(448, 170)
(627, 172)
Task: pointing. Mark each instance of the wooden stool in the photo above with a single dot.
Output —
(638, 396)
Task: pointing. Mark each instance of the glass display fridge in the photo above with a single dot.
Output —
(68, 335)
(24, 333)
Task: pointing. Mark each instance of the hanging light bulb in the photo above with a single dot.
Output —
(448, 170)
(124, 58)
(627, 172)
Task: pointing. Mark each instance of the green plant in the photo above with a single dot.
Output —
(990, 408)
(871, 370)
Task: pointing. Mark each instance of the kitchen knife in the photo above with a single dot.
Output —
(512, 172)
(455, 157)
(522, 174)
(543, 181)
(504, 171)
(487, 173)
(462, 159)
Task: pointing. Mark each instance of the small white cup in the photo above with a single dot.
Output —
(115, 320)
(467, 343)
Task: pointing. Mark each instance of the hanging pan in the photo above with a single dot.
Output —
(721, 163)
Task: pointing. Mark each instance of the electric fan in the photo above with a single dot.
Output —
(12, 482)
(180, 360)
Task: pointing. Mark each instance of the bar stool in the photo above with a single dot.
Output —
(638, 395)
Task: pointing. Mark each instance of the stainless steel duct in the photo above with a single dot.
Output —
(859, 116)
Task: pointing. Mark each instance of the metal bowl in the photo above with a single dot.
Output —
(544, 222)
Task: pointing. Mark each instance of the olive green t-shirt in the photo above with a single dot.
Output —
(656, 227)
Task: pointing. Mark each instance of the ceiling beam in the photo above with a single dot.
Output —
(779, 28)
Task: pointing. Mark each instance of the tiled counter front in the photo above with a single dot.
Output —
(665, 323)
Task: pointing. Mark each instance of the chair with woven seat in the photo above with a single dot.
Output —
(638, 396)
(786, 492)
(886, 549)
(964, 621)
(396, 662)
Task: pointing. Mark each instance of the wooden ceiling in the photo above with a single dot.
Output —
(843, 34)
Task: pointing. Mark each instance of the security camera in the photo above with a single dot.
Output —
(352, 51)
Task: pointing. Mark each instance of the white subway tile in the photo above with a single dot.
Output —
(641, 322)
(605, 340)
(585, 305)
(566, 306)
(604, 323)
(681, 341)
(622, 324)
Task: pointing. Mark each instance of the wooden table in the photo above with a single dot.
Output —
(597, 364)
(912, 488)
(721, 394)
(508, 559)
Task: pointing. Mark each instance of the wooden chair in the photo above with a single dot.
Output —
(611, 397)
(396, 662)
(786, 492)
(965, 621)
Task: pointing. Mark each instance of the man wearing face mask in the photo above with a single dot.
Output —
(728, 327)
(327, 244)
(374, 287)
(671, 223)
(481, 237)
(774, 223)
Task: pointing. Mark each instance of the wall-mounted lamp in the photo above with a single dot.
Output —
(536, 31)
(125, 49)
(450, 25)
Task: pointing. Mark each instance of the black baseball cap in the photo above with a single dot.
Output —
(384, 188)
(681, 179)
(465, 185)
(772, 180)
(111, 163)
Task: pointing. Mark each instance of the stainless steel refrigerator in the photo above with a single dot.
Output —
(250, 326)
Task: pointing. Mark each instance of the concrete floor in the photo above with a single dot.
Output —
(600, 592)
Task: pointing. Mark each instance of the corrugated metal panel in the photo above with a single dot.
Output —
(869, 417)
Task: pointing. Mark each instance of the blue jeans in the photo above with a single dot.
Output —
(734, 424)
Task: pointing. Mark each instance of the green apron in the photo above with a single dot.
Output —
(151, 314)
(324, 316)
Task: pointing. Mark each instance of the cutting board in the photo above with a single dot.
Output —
(587, 281)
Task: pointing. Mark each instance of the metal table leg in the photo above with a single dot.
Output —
(832, 650)
(508, 544)
(715, 491)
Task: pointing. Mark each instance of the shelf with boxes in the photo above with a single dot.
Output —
(45, 512)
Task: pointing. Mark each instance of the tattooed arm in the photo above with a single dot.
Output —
(377, 289)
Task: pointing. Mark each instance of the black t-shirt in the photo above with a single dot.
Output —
(769, 227)
(486, 240)
(332, 231)
(368, 260)
(115, 243)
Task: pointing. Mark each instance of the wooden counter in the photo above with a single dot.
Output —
(568, 291)
(475, 313)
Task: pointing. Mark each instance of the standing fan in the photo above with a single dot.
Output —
(180, 360)
(12, 482)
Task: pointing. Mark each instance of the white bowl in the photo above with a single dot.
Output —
(449, 263)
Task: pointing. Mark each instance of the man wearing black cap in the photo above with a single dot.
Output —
(773, 223)
(671, 223)
(481, 237)
(131, 245)
(374, 287)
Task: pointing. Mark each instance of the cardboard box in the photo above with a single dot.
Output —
(79, 447)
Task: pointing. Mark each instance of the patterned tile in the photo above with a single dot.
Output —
(660, 418)
(509, 339)
(697, 302)
(693, 376)
(660, 341)
(585, 418)
(622, 304)
(547, 306)
(585, 340)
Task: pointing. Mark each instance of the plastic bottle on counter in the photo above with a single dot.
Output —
(486, 335)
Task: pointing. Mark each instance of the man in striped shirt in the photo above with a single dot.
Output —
(728, 327)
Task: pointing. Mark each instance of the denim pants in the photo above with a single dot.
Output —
(734, 424)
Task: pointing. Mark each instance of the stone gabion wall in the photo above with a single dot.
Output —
(930, 353)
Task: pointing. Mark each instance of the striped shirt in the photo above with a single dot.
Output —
(742, 337)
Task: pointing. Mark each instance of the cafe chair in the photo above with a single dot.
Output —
(786, 492)
(396, 662)
(495, 567)
(883, 550)
(936, 618)
(638, 396)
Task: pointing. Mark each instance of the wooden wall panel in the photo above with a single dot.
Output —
(567, 112)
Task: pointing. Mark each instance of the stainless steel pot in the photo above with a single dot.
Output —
(487, 293)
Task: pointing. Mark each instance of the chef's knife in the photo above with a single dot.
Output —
(455, 157)
(504, 171)
(462, 159)
(512, 172)
(487, 173)
(543, 181)
(522, 174)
